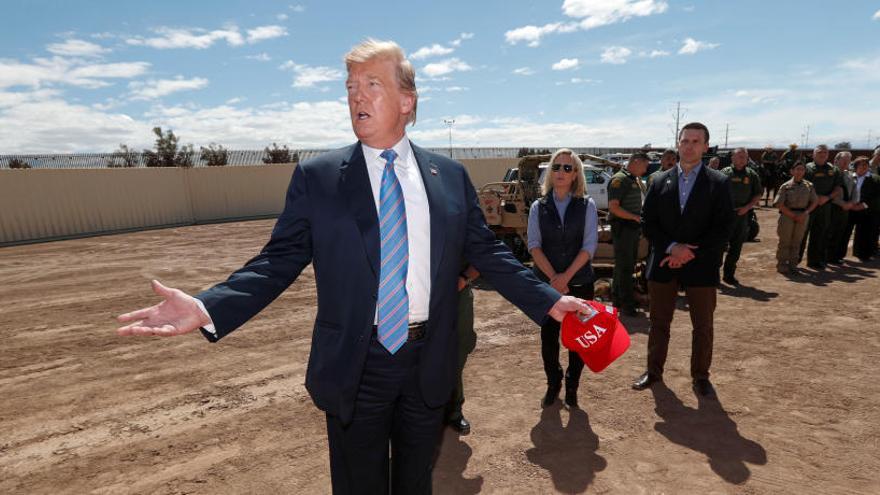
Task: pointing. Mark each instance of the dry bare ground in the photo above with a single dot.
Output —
(84, 411)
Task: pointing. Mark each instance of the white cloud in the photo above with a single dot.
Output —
(297, 8)
(153, 89)
(590, 14)
(198, 38)
(233, 101)
(307, 76)
(876, 16)
(261, 33)
(444, 67)
(579, 80)
(565, 64)
(435, 50)
(532, 34)
(524, 71)
(692, 46)
(260, 57)
(77, 48)
(455, 89)
(59, 70)
(615, 55)
(463, 36)
(658, 53)
(281, 17)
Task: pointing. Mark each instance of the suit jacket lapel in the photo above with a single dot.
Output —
(355, 187)
(436, 206)
(674, 193)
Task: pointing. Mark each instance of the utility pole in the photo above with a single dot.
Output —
(726, 133)
(807, 137)
(449, 123)
(677, 121)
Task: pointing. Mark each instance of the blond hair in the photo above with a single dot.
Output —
(579, 188)
(406, 75)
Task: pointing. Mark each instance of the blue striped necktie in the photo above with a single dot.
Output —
(393, 312)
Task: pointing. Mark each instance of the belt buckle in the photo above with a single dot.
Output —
(416, 331)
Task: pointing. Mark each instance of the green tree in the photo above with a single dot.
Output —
(215, 155)
(123, 157)
(17, 163)
(168, 152)
(280, 155)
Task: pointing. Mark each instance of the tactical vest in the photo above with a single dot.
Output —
(822, 177)
(630, 196)
(561, 242)
(741, 185)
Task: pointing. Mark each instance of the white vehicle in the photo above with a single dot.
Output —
(596, 179)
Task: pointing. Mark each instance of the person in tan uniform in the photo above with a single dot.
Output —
(796, 199)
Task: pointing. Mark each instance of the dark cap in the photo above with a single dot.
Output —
(639, 155)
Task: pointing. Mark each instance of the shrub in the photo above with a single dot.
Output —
(16, 163)
(280, 155)
(123, 157)
(215, 155)
(168, 153)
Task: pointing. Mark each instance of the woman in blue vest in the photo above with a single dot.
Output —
(562, 239)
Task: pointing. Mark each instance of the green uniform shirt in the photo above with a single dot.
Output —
(744, 185)
(629, 190)
(824, 177)
(768, 158)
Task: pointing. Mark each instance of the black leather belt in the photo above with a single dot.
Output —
(417, 331)
(798, 209)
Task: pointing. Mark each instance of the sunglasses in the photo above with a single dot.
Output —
(567, 168)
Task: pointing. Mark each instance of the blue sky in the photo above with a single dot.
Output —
(89, 75)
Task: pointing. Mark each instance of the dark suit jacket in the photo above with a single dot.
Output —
(707, 222)
(330, 220)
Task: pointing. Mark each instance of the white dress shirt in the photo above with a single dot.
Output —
(418, 221)
(418, 225)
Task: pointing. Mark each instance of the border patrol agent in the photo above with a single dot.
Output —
(626, 193)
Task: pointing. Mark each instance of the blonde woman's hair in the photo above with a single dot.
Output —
(579, 187)
(406, 75)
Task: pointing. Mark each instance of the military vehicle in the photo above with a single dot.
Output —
(506, 205)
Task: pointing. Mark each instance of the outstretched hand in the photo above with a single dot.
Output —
(177, 314)
(567, 304)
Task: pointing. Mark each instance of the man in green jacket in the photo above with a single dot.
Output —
(626, 192)
(745, 186)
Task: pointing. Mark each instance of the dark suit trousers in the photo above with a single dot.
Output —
(390, 413)
(701, 303)
(550, 346)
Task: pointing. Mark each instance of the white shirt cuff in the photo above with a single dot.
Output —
(210, 326)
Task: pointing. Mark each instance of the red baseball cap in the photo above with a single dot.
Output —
(597, 336)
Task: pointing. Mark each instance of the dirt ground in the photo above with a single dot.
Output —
(84, 411)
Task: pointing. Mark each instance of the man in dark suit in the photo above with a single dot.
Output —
(687, 218)
(385, 225)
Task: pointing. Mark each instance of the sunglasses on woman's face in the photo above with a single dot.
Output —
(566, 168)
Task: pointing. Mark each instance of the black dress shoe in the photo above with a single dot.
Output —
(730, 280)
(552, 394)
(816, 266)
(645, 381)
(460, 425)
(571, 397)
(703, 387)
(836, 262)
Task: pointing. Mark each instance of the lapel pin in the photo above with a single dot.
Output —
(433, 171)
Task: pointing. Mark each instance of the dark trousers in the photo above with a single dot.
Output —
(625, 236)
(389, 413)
(735, 244)
(840, 234)
(863, 240)
(467, 341)
(820, 234)
(550, 346)
(701, 304)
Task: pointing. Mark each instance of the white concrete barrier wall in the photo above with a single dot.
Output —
(48, 204)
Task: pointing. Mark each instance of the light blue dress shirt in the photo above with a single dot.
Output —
(591, 224)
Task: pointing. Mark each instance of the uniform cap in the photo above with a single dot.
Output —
(597, 337)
